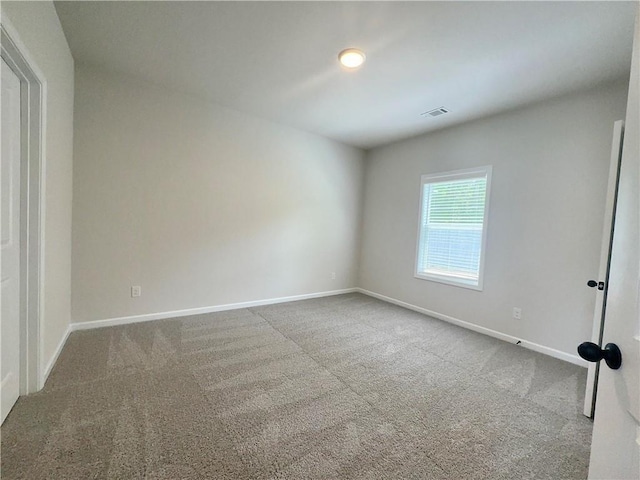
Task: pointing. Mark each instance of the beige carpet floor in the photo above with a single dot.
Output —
(344, 387)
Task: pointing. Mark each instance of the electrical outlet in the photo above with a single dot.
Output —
(136, 291)
(333, 275)
(517, 313)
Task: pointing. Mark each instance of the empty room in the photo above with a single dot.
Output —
(320, 240)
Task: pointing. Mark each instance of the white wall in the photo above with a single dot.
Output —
(39, 30)
(202, 205)
(550, 166)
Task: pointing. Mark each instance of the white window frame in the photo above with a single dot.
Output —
(447, 177)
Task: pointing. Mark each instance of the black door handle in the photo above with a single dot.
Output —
(593, 353)
(593, 283)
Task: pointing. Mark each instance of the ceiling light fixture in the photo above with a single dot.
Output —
(351, 57)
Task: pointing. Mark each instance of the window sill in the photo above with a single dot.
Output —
(455, 282)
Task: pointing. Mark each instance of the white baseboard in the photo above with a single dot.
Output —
(110, 322)
(575, 359)
(54, 358)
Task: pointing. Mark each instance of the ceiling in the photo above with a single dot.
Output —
(278, 60)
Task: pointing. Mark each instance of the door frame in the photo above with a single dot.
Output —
(33, 94)
(605, 260)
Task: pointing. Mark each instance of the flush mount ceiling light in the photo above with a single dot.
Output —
(351, 58)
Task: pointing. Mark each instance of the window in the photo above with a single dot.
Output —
(453, 227)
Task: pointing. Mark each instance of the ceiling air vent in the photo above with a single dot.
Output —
(436, 112)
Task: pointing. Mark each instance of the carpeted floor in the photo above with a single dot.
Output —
(344, 387)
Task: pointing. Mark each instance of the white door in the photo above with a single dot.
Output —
(10, 241)
(615, 449)
(600, 284)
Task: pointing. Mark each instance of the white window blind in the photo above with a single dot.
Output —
(452, 227)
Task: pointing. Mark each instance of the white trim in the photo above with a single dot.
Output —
(603, 270)
(33, 161)
(19, 44)
(450, 280)
(430, 178)
(575, 359)
(9, 385)
(110, 322)
(56, 354)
